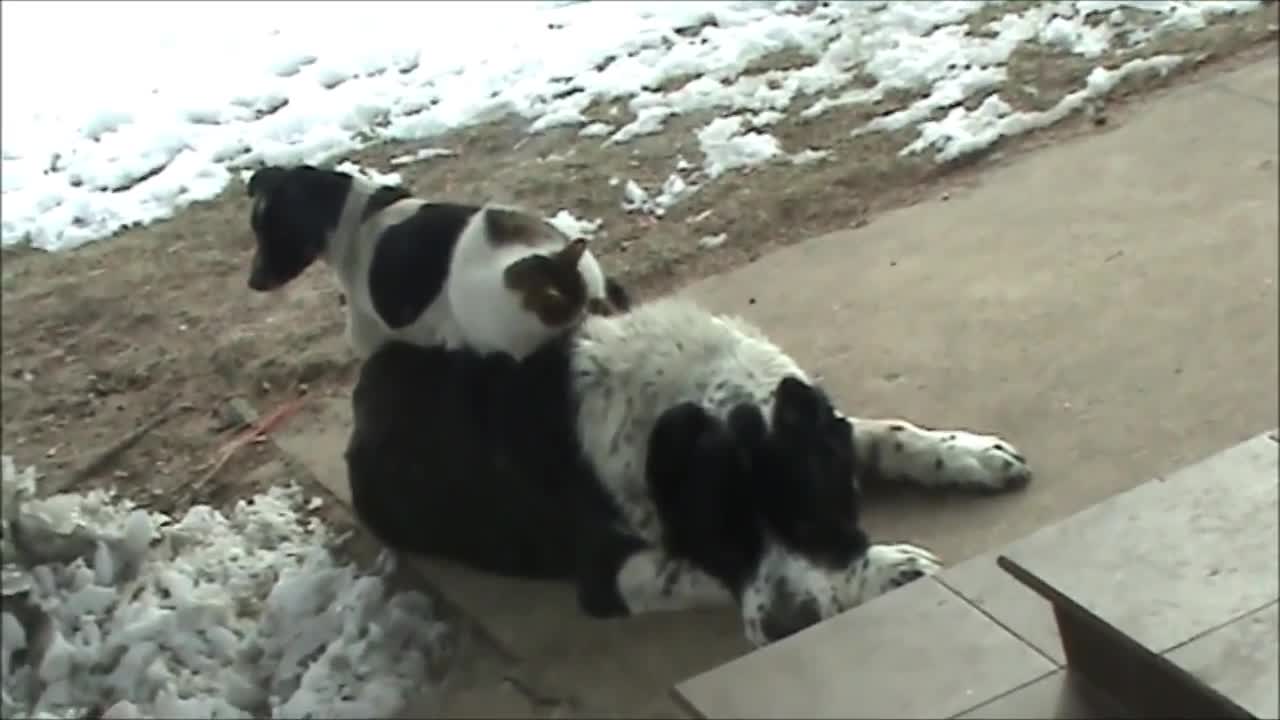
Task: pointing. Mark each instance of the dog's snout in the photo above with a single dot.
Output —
(261, 281)
(788, 614)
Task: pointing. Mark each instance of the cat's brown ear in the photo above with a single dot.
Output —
(527, 275)
(570, 254)
(505, 226)
(544, 290)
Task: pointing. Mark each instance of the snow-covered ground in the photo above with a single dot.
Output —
(202, 616)
(119, 113)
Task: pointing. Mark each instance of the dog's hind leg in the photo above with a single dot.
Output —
(898, 451)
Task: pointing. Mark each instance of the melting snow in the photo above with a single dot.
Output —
(674, 189)
(122, 140)
(573, 226)
(422, 154)
(141, 615)
(712, 241)
(726, 147)
(374, 176)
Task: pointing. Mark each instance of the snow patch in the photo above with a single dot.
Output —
(962, 131)
(596, 129)
(674, 189)
(126, 140)
(204, 616)
(712, 241)
(422, 154)
(573, 226)
(726, 147)
(376, 177)
(808, 156)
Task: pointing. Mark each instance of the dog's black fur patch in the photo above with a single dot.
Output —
(295, 209)
(816, 509)
(411, 262)
(618, 297)
(699, 475)
(476, 459)
(381, 199)
(471, 457)
(720, 485)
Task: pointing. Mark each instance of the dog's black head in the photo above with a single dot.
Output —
(295, 209)
(804, 477)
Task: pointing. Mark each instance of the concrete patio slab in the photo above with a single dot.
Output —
(980, 581)
(1260, 81)
(1239, 661)
(1173, 558)
(1108, 304)
(1060, 696)
(881, 661)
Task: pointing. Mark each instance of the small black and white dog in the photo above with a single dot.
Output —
(489, 277)
(663, 458)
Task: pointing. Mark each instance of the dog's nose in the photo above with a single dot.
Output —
(788, 614)
(259, 283)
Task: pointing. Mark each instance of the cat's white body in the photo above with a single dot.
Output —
(488, 314)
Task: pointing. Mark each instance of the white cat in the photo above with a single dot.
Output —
(493, 278)
(548, 281)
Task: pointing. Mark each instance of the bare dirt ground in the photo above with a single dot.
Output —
(99, 341)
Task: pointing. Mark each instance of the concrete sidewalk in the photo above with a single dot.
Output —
(1109, 304)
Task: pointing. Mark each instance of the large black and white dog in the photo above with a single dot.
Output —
(661, 459)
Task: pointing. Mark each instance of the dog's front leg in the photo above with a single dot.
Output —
(898, 451)
(364, 333)
(621, 576)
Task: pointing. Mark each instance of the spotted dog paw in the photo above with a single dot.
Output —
(888, 566)
(981, 462)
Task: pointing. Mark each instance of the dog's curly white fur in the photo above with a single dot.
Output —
(629, 369)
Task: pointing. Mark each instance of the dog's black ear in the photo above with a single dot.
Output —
(265, 180)
(796, 406)
(618, 296)
(261, 279)
(750, 434)
(747, 425)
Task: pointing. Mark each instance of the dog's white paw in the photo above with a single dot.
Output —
(984, 462)
(888, 566)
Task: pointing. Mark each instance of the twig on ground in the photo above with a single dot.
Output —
(540, 700)
(255, 433)
(118, 448)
